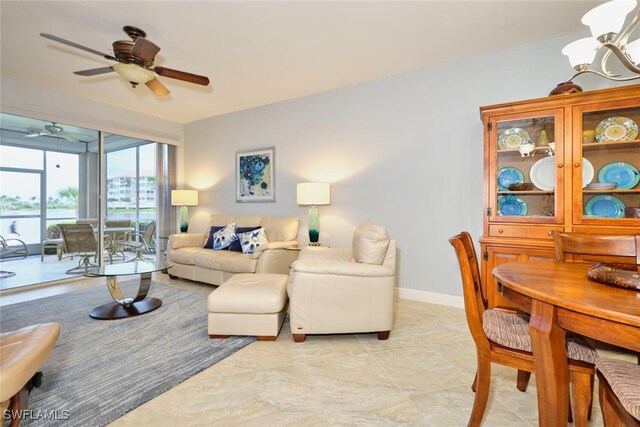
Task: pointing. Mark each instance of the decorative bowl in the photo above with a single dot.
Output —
(565, 88)
(522, 186)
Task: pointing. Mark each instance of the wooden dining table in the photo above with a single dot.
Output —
(560, 297)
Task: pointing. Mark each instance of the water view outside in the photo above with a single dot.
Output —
(22, 172)
(131, 189)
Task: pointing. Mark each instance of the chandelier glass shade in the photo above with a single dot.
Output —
(610, 36)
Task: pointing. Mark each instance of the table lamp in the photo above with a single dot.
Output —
(313, 194)
(184, 198)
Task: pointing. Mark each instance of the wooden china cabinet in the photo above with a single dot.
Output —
(547, 163)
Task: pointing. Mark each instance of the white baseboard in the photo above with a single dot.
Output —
(430, 297)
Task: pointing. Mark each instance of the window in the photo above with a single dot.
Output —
(131, 181)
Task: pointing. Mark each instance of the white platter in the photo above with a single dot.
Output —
(543, 173)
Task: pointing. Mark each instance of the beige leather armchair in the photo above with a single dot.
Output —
(350, 290)
(22, 353)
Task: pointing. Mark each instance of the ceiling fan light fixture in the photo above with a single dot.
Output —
(133, 73)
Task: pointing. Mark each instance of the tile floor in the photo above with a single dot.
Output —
(421, 376)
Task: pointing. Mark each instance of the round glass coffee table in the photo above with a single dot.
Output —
(124, 307)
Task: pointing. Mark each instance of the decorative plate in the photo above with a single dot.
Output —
(512, 205)
(605, 206)
(587, 172)
(625, 175)
(616, 129)
(508, 176)
(543, 173)
(512, 139)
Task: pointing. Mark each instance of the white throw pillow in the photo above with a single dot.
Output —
(370, 243)
(225, 237)
(251, 240)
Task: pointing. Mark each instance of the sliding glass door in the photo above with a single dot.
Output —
(52, 173)
(131, 181)
(20, 205)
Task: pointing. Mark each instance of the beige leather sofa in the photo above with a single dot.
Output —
(348, 290)
(191, 261)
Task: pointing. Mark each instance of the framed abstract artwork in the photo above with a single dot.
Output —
(255, 175)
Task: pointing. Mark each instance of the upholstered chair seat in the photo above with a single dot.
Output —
(512, 330)
(619, 391)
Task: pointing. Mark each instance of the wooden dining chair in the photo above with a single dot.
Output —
(619, 392)
(582, 247)
(503, 337)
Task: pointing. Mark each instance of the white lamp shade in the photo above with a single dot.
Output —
(133, 73)
(313, 193)
(581, 51)
(608, 17)
(184, 197)
(633, 50)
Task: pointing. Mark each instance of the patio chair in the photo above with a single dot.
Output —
(80, 239)
(117, 229)
(56, 242)
(140, 243)
(11, 249)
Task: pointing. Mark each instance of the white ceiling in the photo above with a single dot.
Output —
(261, 52)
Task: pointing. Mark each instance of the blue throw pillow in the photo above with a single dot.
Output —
(235, 246)
(225, 237)
(251, 240)
(214, 229)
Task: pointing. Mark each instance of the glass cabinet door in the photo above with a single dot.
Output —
(609, 146)
(526, 163)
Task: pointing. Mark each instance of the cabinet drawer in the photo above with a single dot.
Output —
(529, 232)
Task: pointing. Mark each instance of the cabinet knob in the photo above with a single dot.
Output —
(576, 165)
(549, 232)
(500, 230)
(560, 165)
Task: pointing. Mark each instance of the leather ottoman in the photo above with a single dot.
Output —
(248, 304)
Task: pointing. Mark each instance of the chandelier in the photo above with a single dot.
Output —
(606, 22)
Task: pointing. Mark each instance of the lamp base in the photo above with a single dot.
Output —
(314, 224)
(184, 219)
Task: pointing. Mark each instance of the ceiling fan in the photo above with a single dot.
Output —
(135, 62)
(56, 131)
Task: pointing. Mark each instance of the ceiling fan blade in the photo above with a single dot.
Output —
(145, 50)
(69, 137)
(76, 45)
(94, 71)
(157, 87)
(32, 132)
(182, 75)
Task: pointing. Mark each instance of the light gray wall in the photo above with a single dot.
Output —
(404, 151)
